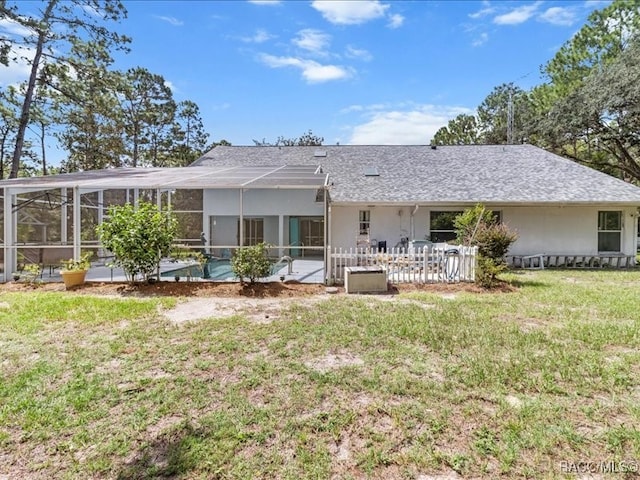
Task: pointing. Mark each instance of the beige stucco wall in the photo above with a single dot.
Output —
(570, 230)
(275, 206)
(258, 203)
(551, 230)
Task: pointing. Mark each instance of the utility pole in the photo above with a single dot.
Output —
(510, 117)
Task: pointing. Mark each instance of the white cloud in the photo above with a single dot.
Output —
(221, 106)
(395, 21)
(480, 40)
(170, 86)
(358, 53)
(559, 16)
(19, 70)
(349, 12)
(260, 36)
(482, 12)
(312, 40)
(517, 15)
(416, 126)
(14, 28)
(170, 20)
(90, 10)
(313, 72)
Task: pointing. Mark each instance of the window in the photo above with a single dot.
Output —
(364, 220)
(441, 226)
(253, 230)
(609, 231)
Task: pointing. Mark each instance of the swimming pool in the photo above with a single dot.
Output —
(219, 269)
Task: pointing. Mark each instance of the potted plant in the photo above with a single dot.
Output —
(73, 271)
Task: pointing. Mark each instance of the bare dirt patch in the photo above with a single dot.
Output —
(333, 361)
(235, 289)
(178, 289)
(260, 302)
(258, 310)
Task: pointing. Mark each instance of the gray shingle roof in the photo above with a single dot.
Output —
(518, 174)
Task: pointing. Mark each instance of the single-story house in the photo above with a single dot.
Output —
(393, 193)
(308, 200)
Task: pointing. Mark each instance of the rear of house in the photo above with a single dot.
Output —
(309, 202)
(387, 196)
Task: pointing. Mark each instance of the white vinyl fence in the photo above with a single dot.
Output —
(441, 264)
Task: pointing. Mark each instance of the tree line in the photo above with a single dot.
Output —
(102, 117)
(587, 109)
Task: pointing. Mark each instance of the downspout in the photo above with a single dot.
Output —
(241, 220)
(327, 240)
(412, 227)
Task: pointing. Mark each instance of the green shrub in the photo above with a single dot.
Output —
(251, 262)
(479, 227)
(468, 222)
(138, 237)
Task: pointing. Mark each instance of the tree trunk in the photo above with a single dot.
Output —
(2, 144)
(42, 146)
(28, 95)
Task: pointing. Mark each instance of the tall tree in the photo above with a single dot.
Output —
(574, 110)
(462, 130)
(57, 26)
(8, 125)
(189, 136)
(87, 108)
(493, 113)
(605, 35)
(306, 139)
(148, 110)
(598, 123)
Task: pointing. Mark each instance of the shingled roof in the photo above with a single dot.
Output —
(496, 174)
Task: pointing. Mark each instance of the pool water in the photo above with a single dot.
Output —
(219, 269)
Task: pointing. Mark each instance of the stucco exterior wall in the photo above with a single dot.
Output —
(260, 203)
(388, 224)
(560, 230)
(223, 206)
(550, 230)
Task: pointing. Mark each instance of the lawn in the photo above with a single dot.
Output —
(540, 382)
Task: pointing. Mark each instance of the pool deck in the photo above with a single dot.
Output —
(303, 271)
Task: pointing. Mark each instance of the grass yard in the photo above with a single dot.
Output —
(535, 383)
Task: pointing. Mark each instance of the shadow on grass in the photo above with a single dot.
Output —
(172, 455)
(520, 283)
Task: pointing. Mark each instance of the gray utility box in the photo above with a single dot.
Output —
(365, 279)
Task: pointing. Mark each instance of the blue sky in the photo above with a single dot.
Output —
(354, 72)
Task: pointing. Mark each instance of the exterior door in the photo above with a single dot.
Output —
(312, 234)
(294, 236)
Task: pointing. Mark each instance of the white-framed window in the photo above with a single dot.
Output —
(364, 222)
(441, 227)
(609, 231)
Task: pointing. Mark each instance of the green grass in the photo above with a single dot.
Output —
(484, 384)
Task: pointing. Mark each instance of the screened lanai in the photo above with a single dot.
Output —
(51, 218)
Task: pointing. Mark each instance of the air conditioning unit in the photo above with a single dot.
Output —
(365, 279)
